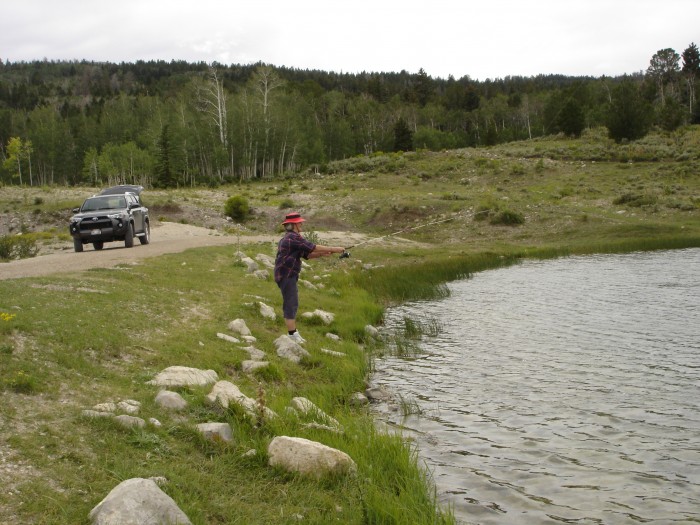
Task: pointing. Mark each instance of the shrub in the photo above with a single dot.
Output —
(634, 200)
(237, 208)
(508, 218)
(17, 247)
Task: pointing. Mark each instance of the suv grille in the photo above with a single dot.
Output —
(101, 223)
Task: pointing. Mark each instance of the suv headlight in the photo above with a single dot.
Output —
(116, 215)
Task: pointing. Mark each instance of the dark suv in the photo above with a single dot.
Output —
(115, 214)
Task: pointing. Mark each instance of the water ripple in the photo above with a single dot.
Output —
(562, 391)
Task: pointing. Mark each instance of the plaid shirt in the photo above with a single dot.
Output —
(291, 248)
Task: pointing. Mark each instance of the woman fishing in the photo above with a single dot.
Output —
(290, 249)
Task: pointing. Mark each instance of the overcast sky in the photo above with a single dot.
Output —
(476, 38)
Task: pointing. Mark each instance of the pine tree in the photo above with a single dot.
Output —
(628, 116)
(403, 136)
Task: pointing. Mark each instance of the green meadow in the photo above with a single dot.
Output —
(70, 341)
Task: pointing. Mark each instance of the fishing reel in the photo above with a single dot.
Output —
(344, 255)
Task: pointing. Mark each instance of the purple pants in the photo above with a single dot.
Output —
(290, 297)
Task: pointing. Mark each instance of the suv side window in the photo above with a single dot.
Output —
(130, 200)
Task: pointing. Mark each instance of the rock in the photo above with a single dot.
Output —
(224, 393)
(308, 284)
(254, 353)
(267, 311)
(228, 338)
(170, 400)
(378, 394)
(249, 339)
(372, 331)
(94, 414)
(153, 421)
(333, 352)
(239, 326)
(105, 407)
(288, 349)
(263, 275)
(216, 431)
(184, 376)
(250, 366)
(334, 337)
(308, 457)
(265, 260)
(306, 407)
(325, 317)
(250, 263)
(130, 421)
(358, 399)
(138, 501)
(129, 406)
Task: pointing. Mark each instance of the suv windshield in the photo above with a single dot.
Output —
(111, 202)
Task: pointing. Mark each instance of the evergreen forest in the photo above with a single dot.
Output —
(169, 124)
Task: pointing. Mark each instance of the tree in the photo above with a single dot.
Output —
(691, 70)
(403, 136)
(663, 67)
(629, 115)
(423, 87)
(571, 118)
(19, 154)
(165, 176)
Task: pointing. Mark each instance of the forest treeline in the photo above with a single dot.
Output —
(167, 124)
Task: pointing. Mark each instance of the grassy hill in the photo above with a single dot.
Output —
(70, 341)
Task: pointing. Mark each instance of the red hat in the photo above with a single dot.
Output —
(293, 218)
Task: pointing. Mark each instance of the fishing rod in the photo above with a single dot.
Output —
(346, 253)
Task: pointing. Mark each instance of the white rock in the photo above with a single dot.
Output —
(288, 349)
(334, 337)
(249, 339)
(358, 399)
(224, 393)
(130, 421)
(254, 353)
(184, 376)
(265, 260)
(372, 331)
(239, 326)
(250, 366)
(267, 311)
(325, 317)
(263, 275)
(170, 400)
(153, 421)
(105, 407)
(307, 407)
(94, 414)
(216, 431)
(137, 501)
(129, 406)
(378, 394)
(250, 263)
(228, 338)
(308, 284)
(308, 457)
(333, 352)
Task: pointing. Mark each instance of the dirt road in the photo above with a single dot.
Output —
(166, 237)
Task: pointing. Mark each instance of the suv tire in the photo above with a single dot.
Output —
(129, 236)
(98, 245)
(77, 245)
(146, 237)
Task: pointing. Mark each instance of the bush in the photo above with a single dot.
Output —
(508, 218)
(17, 247)
(635, 201)
(237, 208)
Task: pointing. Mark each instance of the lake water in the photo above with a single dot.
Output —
(560, 391)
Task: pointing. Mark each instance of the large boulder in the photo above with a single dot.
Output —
(307, 457)
(170, 400)
(138, 501)
(184, 376)
(325, 317)
(216, 431)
